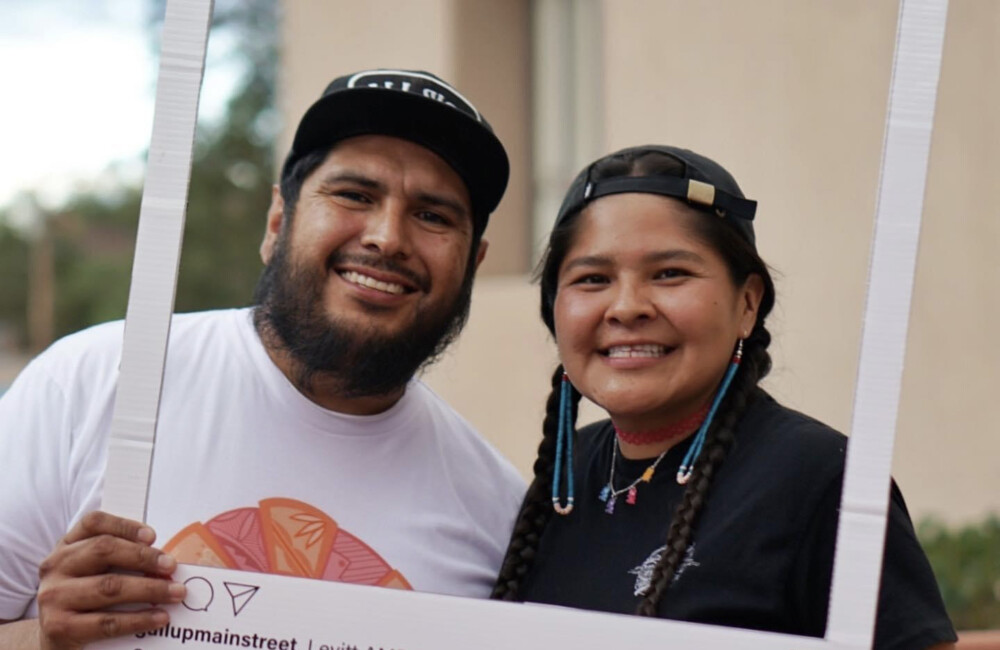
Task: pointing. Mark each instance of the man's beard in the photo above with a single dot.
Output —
(361, 361)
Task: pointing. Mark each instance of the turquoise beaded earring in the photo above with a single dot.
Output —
(564, 443)
(687, 465)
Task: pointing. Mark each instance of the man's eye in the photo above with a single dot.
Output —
(351, 195)
(432, 217)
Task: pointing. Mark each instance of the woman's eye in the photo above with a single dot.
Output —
(672, 273)
(592, 278)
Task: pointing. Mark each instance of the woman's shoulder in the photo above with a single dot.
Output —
(768, 422)
(783, 447)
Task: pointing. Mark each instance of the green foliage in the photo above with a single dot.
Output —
(966, 562)
(93, 234)
(13, 285)
(233, 170)
(94, 239)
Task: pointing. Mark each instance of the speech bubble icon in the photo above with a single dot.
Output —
(199, 594)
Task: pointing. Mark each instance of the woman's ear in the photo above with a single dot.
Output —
(751, 294)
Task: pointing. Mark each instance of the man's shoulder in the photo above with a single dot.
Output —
(90, 349)
(100, 346)
(229, 317)
(462, 441)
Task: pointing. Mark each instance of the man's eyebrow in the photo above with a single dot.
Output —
(427, 198)
(439, 200)
(351, 177)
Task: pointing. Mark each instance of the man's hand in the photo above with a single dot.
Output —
(82, 579)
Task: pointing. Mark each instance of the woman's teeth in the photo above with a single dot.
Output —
(366, 281)
(630, 351)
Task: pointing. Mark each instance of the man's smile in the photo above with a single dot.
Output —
(372, 283)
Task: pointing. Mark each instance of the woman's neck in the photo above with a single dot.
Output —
(649, 442)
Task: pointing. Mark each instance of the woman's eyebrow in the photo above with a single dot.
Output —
(673, 255)
(587, 260)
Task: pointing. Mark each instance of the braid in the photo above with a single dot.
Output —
(536, 509)
(756, 363)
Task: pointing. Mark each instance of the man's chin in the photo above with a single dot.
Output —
(370, 325)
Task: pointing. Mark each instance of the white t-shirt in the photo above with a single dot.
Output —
(249, 473)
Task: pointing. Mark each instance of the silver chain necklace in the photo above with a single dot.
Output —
(609, 495)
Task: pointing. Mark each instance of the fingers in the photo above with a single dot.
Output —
(103, 562)
(98, 554)
(97, 523)
(81, 629)
(107, 590)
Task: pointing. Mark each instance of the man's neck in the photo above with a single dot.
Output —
(327, 391)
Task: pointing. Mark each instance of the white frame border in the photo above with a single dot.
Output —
(414, 620)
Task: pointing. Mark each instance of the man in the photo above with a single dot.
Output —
(292, 437)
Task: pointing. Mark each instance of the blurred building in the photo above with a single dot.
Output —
(791, 97)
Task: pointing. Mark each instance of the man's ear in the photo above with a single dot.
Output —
(275, 217)
(481, 253)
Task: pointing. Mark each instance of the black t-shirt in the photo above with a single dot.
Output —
(761, 555)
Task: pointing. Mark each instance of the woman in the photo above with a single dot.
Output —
(701, 499)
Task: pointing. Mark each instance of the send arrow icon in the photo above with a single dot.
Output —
(240, 595)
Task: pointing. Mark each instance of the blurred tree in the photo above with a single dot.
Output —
(233, 166)
(13, 286)
(93, 233)
(94, 238)
(966, 562)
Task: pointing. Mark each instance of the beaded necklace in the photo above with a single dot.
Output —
(609, 495)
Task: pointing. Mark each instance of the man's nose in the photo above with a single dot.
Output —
(385, 231)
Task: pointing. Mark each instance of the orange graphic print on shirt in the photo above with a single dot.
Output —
(287, 537)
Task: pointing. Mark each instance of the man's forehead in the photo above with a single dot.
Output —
(386, 159)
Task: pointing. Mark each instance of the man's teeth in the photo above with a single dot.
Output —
(630, 351)
(372, 283)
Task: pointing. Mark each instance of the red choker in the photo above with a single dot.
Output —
(687, 425)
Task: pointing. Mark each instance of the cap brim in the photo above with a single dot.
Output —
(464, 143)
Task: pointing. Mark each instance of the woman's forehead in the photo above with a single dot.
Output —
(635, 221)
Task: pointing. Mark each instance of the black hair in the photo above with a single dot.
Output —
(742, 261)
(294, 174)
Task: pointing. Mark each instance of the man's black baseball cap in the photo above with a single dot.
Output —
(704, 184)
(416, 106)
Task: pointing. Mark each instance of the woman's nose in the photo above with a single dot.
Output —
(630, 303)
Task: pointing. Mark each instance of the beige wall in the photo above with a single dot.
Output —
(791, 97)
(479, 46)
(948, 456)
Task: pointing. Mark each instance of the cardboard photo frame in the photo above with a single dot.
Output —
(296, 613)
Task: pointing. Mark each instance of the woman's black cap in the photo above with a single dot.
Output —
(705, 185)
